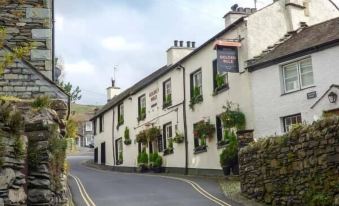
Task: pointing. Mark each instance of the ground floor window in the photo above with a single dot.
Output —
(119, 151)
(199, 142)
(291, 120)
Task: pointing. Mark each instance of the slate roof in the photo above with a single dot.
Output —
(299, 43)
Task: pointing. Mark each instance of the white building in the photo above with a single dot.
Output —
(189, 71)
(292, 82)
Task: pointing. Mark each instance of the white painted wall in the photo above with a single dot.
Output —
(270, 104)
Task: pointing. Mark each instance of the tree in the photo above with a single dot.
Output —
(74, 93)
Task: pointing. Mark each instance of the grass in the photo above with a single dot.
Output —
(78, 108)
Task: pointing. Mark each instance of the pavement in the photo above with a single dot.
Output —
(94, 187)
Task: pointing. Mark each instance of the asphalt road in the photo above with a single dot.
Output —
(107, 188)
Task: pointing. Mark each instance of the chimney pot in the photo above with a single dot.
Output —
(175, 43)
(181, 43)
(193, 44)
(240, 9)
(188, 44)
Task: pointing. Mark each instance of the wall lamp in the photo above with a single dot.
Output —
(332, 97)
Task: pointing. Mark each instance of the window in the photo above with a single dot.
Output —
(119, 151)
(120, 114)
(297, 75)
(167, 93)
(88, 127)
(219, 129)
(220, 78)
(101, 124)
(95, 126)
(196, 83)
(199, 142)
(289, 121)
(167, 133)
(142, 107)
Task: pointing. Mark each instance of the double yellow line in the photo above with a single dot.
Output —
(195, 185)
(83, 193)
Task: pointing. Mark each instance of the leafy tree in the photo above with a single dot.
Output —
(74, 93)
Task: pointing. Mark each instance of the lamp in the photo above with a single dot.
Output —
(332, 97)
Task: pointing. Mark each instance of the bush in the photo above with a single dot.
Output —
(230, 153)
(143, 158)
(19, 148)
(41, 102)
(157, 162)
(153, 133)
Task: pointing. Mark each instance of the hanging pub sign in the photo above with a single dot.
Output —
(227, 56)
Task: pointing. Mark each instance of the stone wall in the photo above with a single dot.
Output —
(32, 154)
(299, 168)
(30, 21)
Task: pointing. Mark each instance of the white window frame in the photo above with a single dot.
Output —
(299, 79)
(88, 127)
(121, 110)
(142, 102)
(196, 82)
(168, 128)
(168, 88)
(287, 128)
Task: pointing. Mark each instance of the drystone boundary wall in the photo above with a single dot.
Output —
(299, 168)
(28, 175)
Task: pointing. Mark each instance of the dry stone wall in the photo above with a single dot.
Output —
(32, 154)
(299, 168)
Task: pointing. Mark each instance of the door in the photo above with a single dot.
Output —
(103, 153)
(96, 155)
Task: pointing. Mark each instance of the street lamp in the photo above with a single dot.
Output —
(332, 97)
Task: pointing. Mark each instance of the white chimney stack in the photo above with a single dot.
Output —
(179, 51)
(112, 91)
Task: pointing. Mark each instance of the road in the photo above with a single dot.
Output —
(108, 188)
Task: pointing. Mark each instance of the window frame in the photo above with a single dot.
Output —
(215, 73)
(88, 126)
(121, 112)
(193, 75)
(299, 75)
(165, 93)
(140, 102)
(101, 124)
(119, 146)
(285, 127)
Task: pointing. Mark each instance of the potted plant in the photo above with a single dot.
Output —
(142, 161)
(168, 100)
(202, 147)
(153, 133)
(229, 157)
(196, 97)
(179, 138)
(142, 114)
(204, 129)
(233, 118)
(155, 162)
(127, 140)
(220, 82)
(120, 120)
(141, 137)
(169, 149)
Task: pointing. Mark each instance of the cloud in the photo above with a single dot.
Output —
(59, 23)
(119, 43)
(82, 67)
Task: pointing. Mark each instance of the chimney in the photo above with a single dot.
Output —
(236, 13)
(112, 91)
(177, 52)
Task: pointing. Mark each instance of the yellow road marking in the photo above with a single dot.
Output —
(83, 192)
(194, 185)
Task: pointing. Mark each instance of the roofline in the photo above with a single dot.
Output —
(322, 96)
(335, 5)
(39, 72)
(231, 26)
(294, 55)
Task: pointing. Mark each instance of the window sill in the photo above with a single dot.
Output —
(221, 90)
(222, 144)
(200, 149)
(297, 90)
(167, 105)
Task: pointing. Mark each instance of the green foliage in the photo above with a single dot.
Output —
(75, 94)
(219, 81)
(157, 162)
(71, 129)
(233, 118)
(126, 133)
(204, 129)
(16, 122)
(153, 133)
(168, 100)
(120, 120)
(19, 148)
(143, 158)
(41, 102)
(179, 138)
(57, 148)
(142, 114)
(170, 143)
(141, 137)
(230, 153)
(34, 155)
(196, 97)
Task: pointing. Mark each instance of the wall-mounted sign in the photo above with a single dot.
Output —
(311, 95)
(227, 59)
(153, 95)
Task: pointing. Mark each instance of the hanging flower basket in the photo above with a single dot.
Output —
(141, 137)
(179, 138)
(204, 130)
(153, 133)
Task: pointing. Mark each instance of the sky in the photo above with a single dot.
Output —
(93, 37)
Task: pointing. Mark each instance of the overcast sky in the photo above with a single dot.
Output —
(93, 36)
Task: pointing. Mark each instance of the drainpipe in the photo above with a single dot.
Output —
(113, 143)
(53, 42)
(185, 118)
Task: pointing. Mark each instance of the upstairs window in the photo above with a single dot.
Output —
(289, 121)
(297, 75)
(88, 127)
(120, 114)
(142, 107)
(101, 124)
(167, 93)
(95, 126)
(196, 88)
(220, 78)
